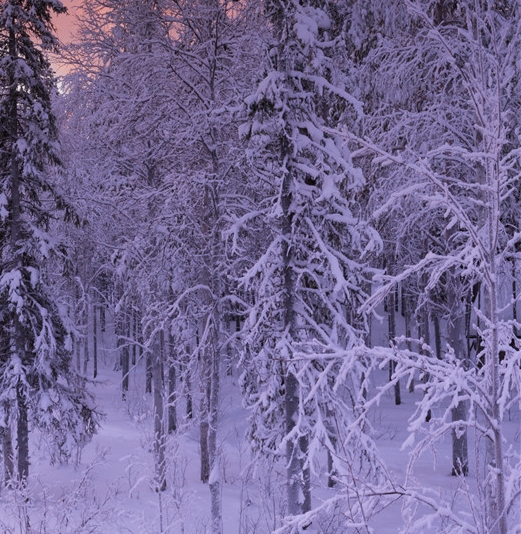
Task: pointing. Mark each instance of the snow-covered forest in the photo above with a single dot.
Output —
(260, 267)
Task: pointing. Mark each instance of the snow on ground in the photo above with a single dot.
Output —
(111, 490)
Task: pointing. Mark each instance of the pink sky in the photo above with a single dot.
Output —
(65, 23)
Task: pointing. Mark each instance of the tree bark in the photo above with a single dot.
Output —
(86, 345)
(7, 447)
(204, 423)
(159, 434)
(457, 340)
(148, 373)
(391, 319)
(293, 460)
(22, 437)
(294, 456)
(135, 323)
(125, 369)
(172, 394)
(215, 475)
(407, 314)
(95, 343)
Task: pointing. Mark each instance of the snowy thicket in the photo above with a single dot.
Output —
(314, 203)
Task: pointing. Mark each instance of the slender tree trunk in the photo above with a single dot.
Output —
(406, 311)
(457, 340)
(134, 321)
(293, 460)
(22, 437)
(215, 475)
(204, 423)
(306, 474)
(95, 343)
(496, 490)
(77, 342)
(391, 318)
(7, 447)
(148, 373)
(514, 296)
(125, 369)
(159, 434)
(424, 334)
(77, 348)
(188, 388)
(331, 472)
(437, 335)
(294, 456)
(102, 319)
(172, 395)
(86, 345)
(122, 355)
(19, 341)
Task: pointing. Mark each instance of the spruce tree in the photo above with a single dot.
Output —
(36, 381)
(308, 280)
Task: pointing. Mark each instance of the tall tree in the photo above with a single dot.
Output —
(307, 281)
(444, 77)
(37, 380)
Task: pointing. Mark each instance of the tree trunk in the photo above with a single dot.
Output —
(159, 434)
(306, 474)
(125, 369)
(495, 490)
(102, 319)
(172, 395)
(437, 335)
(514, 297)
(406, 311)
(297, 493)
(457, 340)
(22, 437)
(134, 322)
(95, 343)
(204, 423)
(424, 334)
(331, 472)
(7, 447)
(215, 475)
(86, 346)
(391, 318)
(148, 373)
(293, 460)
(77, 348)
(188, 390)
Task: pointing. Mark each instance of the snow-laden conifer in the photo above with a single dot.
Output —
(307, 281)
(38, 385)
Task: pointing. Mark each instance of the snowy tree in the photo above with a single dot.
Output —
(448, 93)
(308, 281)
(38, 383)
(164, 97)
(119, 89)
(211, 62)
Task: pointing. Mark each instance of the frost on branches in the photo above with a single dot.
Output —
(37, 383)
(444, 133)
(308, 282)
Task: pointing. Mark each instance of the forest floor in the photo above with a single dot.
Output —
(110, 489)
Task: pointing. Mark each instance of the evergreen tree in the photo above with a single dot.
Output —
(37, 382)
(308, 282)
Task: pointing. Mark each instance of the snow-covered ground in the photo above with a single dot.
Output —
(111, 489)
